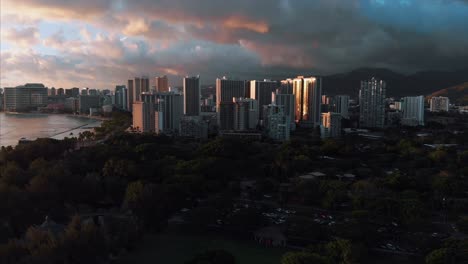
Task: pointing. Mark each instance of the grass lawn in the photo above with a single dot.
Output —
(174, 248)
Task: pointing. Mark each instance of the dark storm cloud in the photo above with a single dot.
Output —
(270, 37)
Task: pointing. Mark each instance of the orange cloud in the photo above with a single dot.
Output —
(136, 27)
(243, 23)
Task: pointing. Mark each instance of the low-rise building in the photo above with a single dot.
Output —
(439, 104)
(193, 126)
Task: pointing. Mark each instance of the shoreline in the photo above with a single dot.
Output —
(87, 124)
(96, 118)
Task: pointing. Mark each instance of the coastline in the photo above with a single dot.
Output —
(97, 118)
(41, 129)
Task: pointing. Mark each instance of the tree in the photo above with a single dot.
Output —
(12, 252)
(462, 224)
(304, 227)
(438, 256)
(330, 147)
(213, 257)
(342, 251)
(119, 168)
(12, 174)
(248, 219)
(438, 156)
(148, 203)
(201, 217)
(335, 194)
(83, 242)
(303, 258)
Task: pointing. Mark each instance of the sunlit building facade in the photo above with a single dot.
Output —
(308, 100)
(143, 117)
(161, 84)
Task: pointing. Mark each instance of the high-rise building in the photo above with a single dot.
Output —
(169, 107)
(192, 94)
(1, 99)
(227, 89)
(88, 102)
(247, 89)
(137, 89)
(137, 86)
(145, 84)
(261, 91)
(397, 106)
(130, 95)
(276, 122)
(327, 104)
(240, 114)
(288, 103)
(308, 93)
(143, 117)
(372, 103)
(72, 104)
(92, 92)
(342, 105)
(68, 93)
(331, 125)
(412, 109)
(439, 104)
(287, 86)
(25, 98)
(326, 99)
(75, 91)
(161, 83)
(245, 114)
(226, 115)
(60, 92)
(52, 91)
(121, 97)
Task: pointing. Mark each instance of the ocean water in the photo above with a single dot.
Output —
(31, 126)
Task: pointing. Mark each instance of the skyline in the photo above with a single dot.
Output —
(101, 44)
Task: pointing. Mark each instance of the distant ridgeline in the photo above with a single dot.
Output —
(458, 94)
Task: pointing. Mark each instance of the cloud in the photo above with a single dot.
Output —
(23, 37)
(249, 39)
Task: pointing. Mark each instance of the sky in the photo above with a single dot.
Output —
(102, 43)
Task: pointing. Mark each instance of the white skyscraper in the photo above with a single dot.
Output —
(412, 109)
